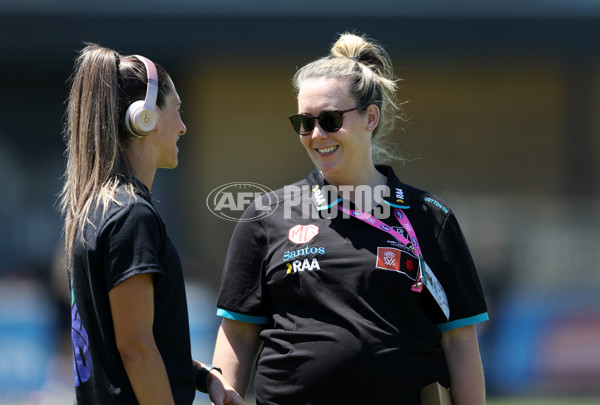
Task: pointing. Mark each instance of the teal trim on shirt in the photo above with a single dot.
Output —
(443, 327)
(405, 207)
(241, 317)
(336, 202)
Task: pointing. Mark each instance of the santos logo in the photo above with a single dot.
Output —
(229, 201)
(298, 265)
(303, 252)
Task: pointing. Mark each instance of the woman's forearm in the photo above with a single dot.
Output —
(464, 363)
(147, 374)
(235, 352)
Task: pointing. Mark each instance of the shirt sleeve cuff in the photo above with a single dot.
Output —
(463, 322)
(241, 317)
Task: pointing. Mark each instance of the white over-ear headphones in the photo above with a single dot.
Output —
(141, 117)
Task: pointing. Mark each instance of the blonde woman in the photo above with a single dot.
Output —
(368, 297)
(130, 328)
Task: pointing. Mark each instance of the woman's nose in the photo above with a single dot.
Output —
(318, 132)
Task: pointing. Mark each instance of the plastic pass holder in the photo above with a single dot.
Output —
(426, 278)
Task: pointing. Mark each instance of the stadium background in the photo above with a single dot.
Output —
(501, 100)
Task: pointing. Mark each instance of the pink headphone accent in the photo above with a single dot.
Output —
(141, 117)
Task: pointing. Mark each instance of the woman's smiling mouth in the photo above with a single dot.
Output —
(328, 150)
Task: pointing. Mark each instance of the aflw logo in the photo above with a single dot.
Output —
(229, 201)
(389, 258)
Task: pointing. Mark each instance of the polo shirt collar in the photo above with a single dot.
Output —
(322, 200)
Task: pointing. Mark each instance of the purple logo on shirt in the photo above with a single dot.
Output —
(82, 362)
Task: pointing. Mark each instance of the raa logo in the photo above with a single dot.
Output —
(298, 265)
(318, 196)
(399, 195)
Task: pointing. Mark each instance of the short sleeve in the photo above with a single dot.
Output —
(242, 294)
(132, 240)
(459, 278)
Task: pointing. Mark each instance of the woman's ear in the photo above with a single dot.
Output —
(372, 117)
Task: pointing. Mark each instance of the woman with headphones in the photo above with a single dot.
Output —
(130, 330)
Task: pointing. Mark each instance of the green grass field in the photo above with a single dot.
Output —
(535, 401)
(543, 401)
(518, 401)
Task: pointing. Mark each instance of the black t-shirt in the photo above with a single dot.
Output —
(341, 324)
(128, 239)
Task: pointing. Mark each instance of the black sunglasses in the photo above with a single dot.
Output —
(329, 121)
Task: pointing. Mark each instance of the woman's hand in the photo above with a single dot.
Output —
(221, 392)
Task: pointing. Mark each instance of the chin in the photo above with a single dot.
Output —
(171, 165)
(174, 162)
(329, 167)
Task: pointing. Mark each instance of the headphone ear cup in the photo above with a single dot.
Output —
(139, 119)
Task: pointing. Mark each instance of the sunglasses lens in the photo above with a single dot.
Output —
(303, 124)
(330, 121)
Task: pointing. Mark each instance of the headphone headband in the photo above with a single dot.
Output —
(152, 88)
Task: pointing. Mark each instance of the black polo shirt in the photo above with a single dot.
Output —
(128, 238)
(341, 323)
